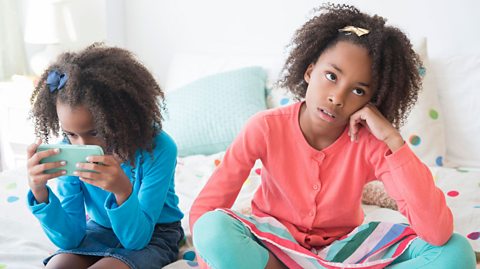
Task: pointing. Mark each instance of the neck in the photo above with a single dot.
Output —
(318, 136)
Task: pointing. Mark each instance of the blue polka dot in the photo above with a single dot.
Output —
(189, 255)
(284, 101)
(12, 199)
(439, 161)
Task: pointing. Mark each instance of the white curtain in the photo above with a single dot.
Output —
(12, 49)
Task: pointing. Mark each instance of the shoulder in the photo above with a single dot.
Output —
(164, 145)
(164, 141)
(279, 114)
(164, 148)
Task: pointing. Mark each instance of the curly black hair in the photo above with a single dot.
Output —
(121, 94)
(395, 76)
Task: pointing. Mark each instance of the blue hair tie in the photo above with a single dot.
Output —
(56, 80)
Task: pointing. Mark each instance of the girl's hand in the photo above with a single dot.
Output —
(37, 179)
(371, 118)
(107, 175)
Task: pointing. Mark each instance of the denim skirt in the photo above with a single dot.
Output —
(102, 242)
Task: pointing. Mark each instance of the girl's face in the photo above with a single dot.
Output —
(338, 85)
(78, 126)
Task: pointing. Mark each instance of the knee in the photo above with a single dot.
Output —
(211, 229)
(459, 249)
(459, 243)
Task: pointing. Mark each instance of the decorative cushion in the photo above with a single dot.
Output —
(424, 128)
(374, 194)
(458, 80)
(203, 117)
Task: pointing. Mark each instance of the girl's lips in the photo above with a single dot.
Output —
(326, 115)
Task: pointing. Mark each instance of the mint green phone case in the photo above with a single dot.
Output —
(72, 154)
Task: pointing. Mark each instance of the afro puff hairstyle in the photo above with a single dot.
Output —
(121, 94)
(395, 76)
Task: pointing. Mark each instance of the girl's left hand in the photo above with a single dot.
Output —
(372, 119)
(107, 175)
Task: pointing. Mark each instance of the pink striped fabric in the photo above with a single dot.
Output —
(369, 246)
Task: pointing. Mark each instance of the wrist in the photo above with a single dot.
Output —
(394, 141)
(122, 196)
(40, 193)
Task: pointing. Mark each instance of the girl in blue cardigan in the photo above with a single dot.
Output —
(124, 213)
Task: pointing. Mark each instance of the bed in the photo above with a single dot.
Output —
(228, 89)
(23, 244)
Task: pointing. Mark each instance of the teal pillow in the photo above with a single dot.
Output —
(204, 116)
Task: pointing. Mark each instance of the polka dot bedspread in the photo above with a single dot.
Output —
(23, 244)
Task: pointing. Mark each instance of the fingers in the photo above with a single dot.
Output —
(89, 181)
(104, 159)
(41, 179)
(35, 159)
(33, 147)
(40, 168)
(88, 175)
(354, 126)
(92, 178)
(100, 168)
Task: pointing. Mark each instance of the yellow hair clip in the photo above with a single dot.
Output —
(356, 30)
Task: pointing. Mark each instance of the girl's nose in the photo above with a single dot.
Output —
(337, 100)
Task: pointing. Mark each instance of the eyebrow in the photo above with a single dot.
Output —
(89, 131)
(341, 72)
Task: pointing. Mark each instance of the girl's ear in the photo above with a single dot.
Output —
(308, 72)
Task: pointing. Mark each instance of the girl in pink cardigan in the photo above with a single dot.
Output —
(358, 79)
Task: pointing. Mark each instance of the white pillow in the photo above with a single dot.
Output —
(424, 128)
(458, 79)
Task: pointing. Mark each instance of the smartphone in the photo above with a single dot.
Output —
(72, 154)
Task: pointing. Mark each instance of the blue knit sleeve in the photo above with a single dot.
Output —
(134, 220)
(62, 218)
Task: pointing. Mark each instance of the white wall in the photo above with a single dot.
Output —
(87, 18)
(156, 30)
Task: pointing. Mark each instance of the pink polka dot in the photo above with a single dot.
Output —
(453, 193)
(474, 235)
(258, 171)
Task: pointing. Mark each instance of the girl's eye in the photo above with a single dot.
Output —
(93, 133)
(331, 76)
(68, 134)
(358, 91)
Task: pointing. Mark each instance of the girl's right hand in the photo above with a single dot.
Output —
(37, 179)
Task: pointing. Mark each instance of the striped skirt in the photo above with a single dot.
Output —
(372, 245)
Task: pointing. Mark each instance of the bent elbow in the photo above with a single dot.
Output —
(439, 237)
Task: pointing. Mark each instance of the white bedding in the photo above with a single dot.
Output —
(23, 244)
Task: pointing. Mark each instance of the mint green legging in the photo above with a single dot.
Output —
(223, 242)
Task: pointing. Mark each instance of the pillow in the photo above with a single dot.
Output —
(458, 79)
(424, 128)
(204, 116)
(374, 193)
